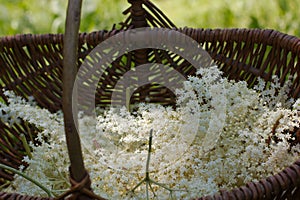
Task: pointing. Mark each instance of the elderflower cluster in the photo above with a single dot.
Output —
(221, 135)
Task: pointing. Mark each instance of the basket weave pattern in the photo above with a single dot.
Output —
(31, 65)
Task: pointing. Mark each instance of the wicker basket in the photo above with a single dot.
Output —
(31, 65)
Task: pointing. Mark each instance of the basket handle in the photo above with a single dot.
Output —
(70, 50)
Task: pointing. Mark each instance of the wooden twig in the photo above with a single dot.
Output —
(77, 170)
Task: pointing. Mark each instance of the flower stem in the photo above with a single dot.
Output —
(28, 130)
(149, 153)
(147, 178)
(26, 145)
(28, 178)
(4, 185)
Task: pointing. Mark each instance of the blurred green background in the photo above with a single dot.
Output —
(48, 16)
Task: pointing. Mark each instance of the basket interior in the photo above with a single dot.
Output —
(31, 65)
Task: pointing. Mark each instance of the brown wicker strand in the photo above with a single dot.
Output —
(161, 17)
(79, 188)
(14, 196)
(31, 65)
(282, 186)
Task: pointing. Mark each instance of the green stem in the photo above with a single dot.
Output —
(151, 188)
(140, 183)
(4, 185)
(149, 153)
(26, 145)
(28, 178)
(148, 180)
(147, 190)
(28, 130)
(161, 185)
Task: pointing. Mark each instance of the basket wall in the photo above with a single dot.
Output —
(31, 65)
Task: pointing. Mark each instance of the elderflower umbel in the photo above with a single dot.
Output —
(217, 137)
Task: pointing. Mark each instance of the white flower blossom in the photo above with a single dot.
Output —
(221, 135)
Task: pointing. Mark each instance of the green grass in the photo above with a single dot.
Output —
(47, 16)
(282, 15)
